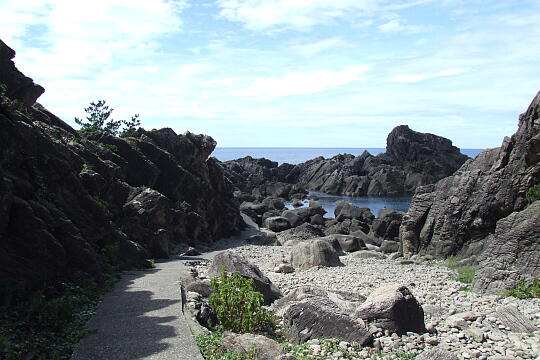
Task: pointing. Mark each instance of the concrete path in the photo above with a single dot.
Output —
(142, 319)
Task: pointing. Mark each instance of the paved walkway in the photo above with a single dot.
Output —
(142, 319)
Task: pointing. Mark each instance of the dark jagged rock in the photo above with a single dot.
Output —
(460, 212)
(18, 86)
(411, 159)
(70, 205)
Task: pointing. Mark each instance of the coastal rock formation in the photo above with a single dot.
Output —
(461, 213)
(72, 205)
(411, 159)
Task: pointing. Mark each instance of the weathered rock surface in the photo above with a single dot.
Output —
(313, 253)
(393, 308)
(234, 263)
(310, 320)
(347, 243)
(460, 212)
(513, 254)
(68, 203)
(265, 348)
(300, 233)
(277, 223)
(437, 354)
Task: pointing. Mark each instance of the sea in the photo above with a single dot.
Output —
(299, 155)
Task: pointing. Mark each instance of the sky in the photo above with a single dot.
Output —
(286, 73)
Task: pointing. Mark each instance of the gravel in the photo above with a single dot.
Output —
(458, 320)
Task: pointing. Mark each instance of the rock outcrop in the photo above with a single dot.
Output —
(461, 213)
(71, 205)
(411, 159)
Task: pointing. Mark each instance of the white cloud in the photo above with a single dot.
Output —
(397, 25)
(302, 14)
(303, 83)
(413, 78)
(314, 48)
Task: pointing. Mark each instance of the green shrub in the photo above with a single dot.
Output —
(238, 305)
(48, 323)
(211, 348)
(533, 193)
(523, 291)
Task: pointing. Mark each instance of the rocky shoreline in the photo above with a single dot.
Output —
(467, 324)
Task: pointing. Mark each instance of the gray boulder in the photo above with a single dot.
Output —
(345, 210)
(394, 308)
(265, 348)
(308, 320)
(388, 246)
(511, 317)
(277, 223)
(386, 225)
(300, 233)
(235, 263)
(201, 287)
(369, 254)
(437, 354)
(314, 253)
(347, 243)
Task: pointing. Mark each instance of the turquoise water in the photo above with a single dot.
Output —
(299, 155)
(401, 203)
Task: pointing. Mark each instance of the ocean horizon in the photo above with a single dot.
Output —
(296, 155)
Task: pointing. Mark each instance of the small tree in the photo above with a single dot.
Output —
(98, 119)
(131, 126)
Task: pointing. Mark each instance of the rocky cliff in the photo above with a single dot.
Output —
(71, 205)
(474, 208)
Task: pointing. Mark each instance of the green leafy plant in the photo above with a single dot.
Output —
(522, 291)
(98, 118)
(211, 348)
(46, 324)
(533, 193)
(238, 305)
(150, 263)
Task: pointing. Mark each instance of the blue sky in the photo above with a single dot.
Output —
(313, 73)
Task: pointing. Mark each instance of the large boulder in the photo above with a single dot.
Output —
(277, 223)
(231, 262)
(513, 254)
(263, 347)
(345, 210)
(458, 214)
(300, 233)
(310, 320)
(347, 243)
(314, 253)
(387, 223)
(394, 308)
